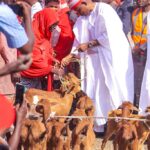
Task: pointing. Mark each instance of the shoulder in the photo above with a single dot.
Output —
(105, 10)
(37, 5)
(6, 12)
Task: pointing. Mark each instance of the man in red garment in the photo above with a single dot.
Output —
(66, 36)
(44, 24)
(63, 44)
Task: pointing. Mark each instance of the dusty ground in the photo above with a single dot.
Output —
(109, 145)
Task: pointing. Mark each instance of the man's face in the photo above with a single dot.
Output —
(142, 3)
(83, 10)
(53, 5)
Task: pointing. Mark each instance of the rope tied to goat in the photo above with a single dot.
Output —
(98, 117)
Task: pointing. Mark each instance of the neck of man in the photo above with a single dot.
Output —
(91, 5)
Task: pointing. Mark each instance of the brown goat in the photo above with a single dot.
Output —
(59, 136)
(143, 130)
(33, 135)
(112, 124)
(83, 135)
(126, 137)
(86, 103)
(60, 105)
(70, 82)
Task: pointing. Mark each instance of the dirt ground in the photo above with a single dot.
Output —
(109, 145)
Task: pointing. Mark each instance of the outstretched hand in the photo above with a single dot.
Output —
(21, 112)
(66, 60)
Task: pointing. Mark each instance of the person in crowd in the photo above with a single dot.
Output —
(7, 55)
(62, 38)
(35, 6)
(17, 36)
(145, 88)
(63, 45)
(8, 119)
(106, 64)
(139, 37)
(124, 11)
(44, 24)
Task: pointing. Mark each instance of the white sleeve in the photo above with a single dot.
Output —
(75, 44)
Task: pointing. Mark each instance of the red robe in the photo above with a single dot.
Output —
(66, 37)
(42, 50)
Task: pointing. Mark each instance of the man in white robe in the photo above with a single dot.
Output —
(106, 61)
(145, 89)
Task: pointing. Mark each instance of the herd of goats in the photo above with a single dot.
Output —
(47, 128)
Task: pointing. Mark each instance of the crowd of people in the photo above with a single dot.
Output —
(109, 37)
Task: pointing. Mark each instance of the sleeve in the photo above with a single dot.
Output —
(101, 32)
(126, 19)
(9, 25)
(35, 8)
(75, 44)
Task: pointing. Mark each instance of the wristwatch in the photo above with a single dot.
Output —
(90, 45)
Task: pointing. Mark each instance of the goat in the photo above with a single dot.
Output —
(112, 124)
(126, 135)
(86, 103)
(143, 130)
(83, 136)
(33, 135)
(59, 135)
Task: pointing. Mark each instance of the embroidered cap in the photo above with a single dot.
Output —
(74, 3)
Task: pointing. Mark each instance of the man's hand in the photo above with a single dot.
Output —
(21, 112)
(66, 60)
(58, 71)
(26, 9)
(22, 63)
(82, 47)
(15, 77)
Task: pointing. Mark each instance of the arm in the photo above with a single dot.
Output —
(23, 62)
(15, 138)
(85, 46)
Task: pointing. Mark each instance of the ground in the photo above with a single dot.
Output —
(109, 145)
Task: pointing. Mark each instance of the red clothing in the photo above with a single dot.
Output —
(66, 37)
(7, 113)
(42, 50)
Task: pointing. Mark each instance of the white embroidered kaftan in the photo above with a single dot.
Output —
(107, 69)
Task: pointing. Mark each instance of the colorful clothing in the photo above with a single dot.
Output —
(42, 50)
(66, 37)
(139, 29)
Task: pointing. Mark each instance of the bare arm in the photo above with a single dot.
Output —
(23, 62)
(15, 138)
